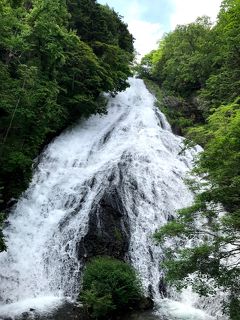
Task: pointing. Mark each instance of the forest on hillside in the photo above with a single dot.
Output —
(195, 73)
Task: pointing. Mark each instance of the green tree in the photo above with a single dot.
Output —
(223, 84)
(108, 36)
(183, 61)
(107, 28)
(109, 286)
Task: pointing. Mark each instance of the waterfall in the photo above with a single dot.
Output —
(120, 172)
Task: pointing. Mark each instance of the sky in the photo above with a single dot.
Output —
(148, 20)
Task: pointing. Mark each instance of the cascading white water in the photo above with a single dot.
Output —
(133, 146)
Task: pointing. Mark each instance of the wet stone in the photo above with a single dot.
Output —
(108, 232)
(68, 311)
(142, 316)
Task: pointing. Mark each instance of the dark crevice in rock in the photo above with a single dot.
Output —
(108, 231)
(163, 288)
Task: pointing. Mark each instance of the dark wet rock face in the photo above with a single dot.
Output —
(188, 109)
(67, 311)
(108, 232)
(163, 288)
(147, 315)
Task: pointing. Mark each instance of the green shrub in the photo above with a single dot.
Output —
(109, 285)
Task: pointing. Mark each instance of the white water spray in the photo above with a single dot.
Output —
(132, 145)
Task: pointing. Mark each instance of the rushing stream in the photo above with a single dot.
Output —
(129, 155)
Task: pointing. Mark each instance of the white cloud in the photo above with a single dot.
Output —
(187, 11)
(146, 33)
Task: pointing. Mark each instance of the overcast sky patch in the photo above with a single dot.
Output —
(149, 20)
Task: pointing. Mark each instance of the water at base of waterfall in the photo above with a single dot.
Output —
(50, 308)
(133, 149)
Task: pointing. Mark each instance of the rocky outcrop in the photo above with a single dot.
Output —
(108, 229)
(181, 113)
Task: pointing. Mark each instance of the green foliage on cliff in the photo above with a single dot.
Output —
(109, 286)
(223, 85)
(182, 62)
(180, 115)
(56, 59)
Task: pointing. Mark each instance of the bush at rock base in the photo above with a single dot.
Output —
(109, 286)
